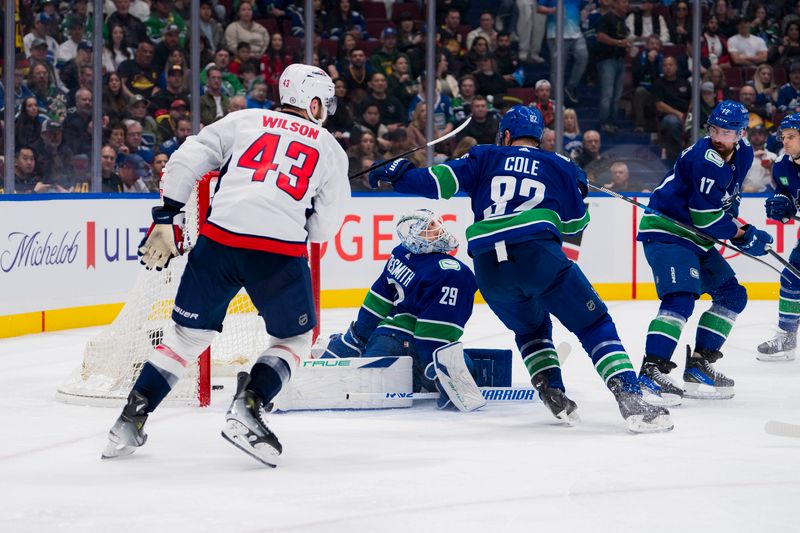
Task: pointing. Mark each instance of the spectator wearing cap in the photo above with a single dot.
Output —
(489, 81)
(183, 129)
(173, 91)
(139, 76)
(759, 177)
(744, 48)
(53, 156)
(167, 122)
(789, 94)
(245, 29)
(231, 84)
(647, 67)
(485, 29)
(672, 95)
(343, 19)
(52, 100)
(69, 48)
(171, 41)
(133, 171)
(111, 182)
(213, 104)
(134, 29)
(39, 32)
(483, 126)
(40, 56)
(644, 22)
(78, 9)
(73, 74)
(543, 102)
(383, 58)
(162, 16)
(391, 109)
(138, 112)
(133, 140)
(274, 61)
(76, 125)
(708, 101)
(209, 26)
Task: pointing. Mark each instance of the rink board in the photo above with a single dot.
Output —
(69, 261)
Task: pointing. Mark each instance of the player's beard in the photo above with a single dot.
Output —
(724, 149)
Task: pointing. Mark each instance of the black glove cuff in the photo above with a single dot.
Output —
(164, 214)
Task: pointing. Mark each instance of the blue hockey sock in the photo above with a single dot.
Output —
(663, 334)
(268, 376)
(539, 355)
(601, 342)
(788, 308)
(152, 385)
(714, 327)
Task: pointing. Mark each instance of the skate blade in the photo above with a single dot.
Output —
(663, 400)
(778, 356)
(697, 391)
(236, 433)
(113, 450)
(660, 424)
(570, 419)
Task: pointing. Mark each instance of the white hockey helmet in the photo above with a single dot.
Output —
(300, 84)
(423, 232)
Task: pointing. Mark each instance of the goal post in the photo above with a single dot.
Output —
(113, 358)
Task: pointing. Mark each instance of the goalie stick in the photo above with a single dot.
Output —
(434, 142)
(702, 234)
(782, 429)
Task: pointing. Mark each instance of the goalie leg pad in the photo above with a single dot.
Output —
(490, 368)
(455, 379)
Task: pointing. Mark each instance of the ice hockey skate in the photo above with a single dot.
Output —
(701, 380)
(640, 416)
(245, 427)
(657, 387)
(127, 434)
(559, 404)
(779, 348)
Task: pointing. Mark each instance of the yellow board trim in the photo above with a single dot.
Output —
(97, 315)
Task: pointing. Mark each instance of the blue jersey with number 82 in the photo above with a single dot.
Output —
(518, 193)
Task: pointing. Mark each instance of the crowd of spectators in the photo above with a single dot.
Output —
(635, 59)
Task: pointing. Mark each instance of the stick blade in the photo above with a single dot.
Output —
(782, 429)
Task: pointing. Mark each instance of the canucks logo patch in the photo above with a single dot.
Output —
(784, 180)
(714, 157)
(449, 264)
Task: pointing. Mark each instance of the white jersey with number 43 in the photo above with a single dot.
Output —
(283, 180)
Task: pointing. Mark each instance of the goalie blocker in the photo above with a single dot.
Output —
(386, 382)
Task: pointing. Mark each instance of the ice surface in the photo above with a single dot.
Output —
(508, 467)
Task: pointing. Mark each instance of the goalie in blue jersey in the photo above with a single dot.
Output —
(702, 190)
(782, 206)
(419, 304)
(523, 200)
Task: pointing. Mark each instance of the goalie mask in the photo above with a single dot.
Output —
(300, 84)
(423, 232)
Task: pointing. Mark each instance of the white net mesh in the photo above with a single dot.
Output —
(113, 359)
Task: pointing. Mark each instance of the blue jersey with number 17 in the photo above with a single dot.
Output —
(518, 193)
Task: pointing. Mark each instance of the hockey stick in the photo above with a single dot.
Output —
(782, 429)
(434, 142)
(702, 234)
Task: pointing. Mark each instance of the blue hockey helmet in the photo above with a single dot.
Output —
(521, 121)
(790, 122)
(423, 232)
(730, 115)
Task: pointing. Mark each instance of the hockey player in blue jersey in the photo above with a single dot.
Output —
(782, 206)
(702, 190)
(523, 200)
(419, 303)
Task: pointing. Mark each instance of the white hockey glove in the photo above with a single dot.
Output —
(455, 379)
(164, 239)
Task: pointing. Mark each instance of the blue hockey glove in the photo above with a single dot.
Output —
(754, 241)
(583, 183)
(733, 207)
(780, 207)
(347, 344)
(164, 239)
(391, 172)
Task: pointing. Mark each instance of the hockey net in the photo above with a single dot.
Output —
(113, 359)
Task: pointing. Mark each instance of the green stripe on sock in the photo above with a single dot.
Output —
(789, 307)
(611, 363)
(541, 360)
(715, 323)
(665, 326)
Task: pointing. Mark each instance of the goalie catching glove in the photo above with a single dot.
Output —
(164, 239)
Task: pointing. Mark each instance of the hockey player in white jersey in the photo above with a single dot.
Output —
(282, 183)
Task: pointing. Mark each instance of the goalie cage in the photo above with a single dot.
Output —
(113, 359)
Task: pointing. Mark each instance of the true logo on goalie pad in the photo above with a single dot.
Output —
(327, 362)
